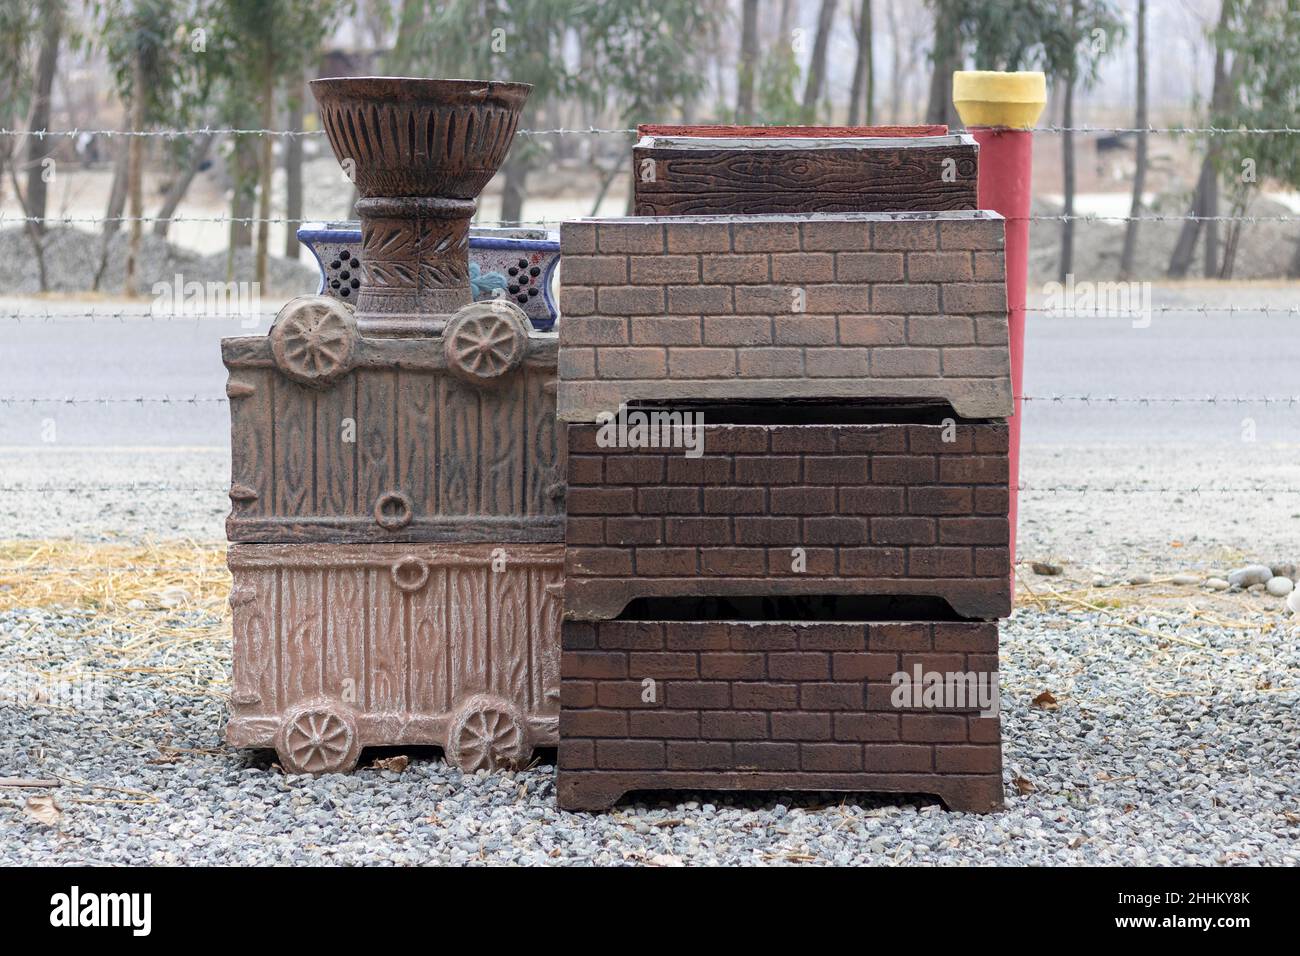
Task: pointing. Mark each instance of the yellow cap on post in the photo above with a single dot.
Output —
(991, 98)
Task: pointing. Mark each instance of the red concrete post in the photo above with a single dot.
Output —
(1000, 110)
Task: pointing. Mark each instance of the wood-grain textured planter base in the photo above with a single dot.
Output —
(339, 647)
(773, 705)
(703, 175)
(398, 448)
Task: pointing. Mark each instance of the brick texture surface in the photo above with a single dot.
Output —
(892, 306)
(883, 509)
(771, 705)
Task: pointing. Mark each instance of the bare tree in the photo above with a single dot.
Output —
(39, 147)
(293, 169)
(812, 90)
(748, 62)
(1141, 121)
(863, 68)
(895, 62)
(1067, 155)
(200, 147)
(945, 55)
(1205, 200)
(135, 176)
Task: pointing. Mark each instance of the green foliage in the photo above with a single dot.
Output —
(643, 49)
(1262, 38)
(19, 27)
(1055, 36)
(777, 93)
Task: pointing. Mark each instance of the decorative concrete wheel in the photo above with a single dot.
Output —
(318, 737)
(314, 340)
(486, 341)
(487, 733)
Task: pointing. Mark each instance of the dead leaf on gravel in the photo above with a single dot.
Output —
(1045, 569)
(1023, 786)
(43, 810)
(666, 859)
(1045, 700)
(395, 764)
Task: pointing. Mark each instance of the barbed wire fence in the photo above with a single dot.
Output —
(118, 313)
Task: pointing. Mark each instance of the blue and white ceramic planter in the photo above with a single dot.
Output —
(519, 264)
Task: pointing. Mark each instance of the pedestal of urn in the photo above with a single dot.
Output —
(420, 151)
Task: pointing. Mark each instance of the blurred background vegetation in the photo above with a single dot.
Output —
(159, 66)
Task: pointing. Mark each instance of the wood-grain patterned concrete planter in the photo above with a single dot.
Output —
(886, 509)
(338, 647)
(899, 307)
(712, 175)
(420, 151)
(394, 439)
(772, 705)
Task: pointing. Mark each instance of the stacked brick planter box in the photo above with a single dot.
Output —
(734, 620)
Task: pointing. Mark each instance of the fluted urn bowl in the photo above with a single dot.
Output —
(420, 137)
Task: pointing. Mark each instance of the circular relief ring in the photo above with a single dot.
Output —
(410, 573)
(393, 511)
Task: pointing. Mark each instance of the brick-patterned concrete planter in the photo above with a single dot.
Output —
(882, 509)
(397, 448)
(745, 705)
(388, 644)
(707, 175)
(882, 306)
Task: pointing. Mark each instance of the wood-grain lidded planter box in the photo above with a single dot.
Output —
(773, 705)
(901, 306)
(396, 444)
(702, 174)
(913, 509)
(343, 646)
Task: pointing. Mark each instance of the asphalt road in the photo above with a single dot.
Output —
(114, 363)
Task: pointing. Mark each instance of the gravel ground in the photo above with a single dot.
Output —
(1177, 749)
(1173, 739)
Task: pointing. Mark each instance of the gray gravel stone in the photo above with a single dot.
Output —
(1159, 753)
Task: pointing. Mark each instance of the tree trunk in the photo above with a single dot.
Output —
(748, 63)
(1067, 159)
(862, 66)
(1181, 259)
(1141, 121)
(181, 185)
(116, 206)
(895, 64)
(293, 172)
(39, 147)
(947, 59)
(267, 172)
(812, 89)
(135, 177)
(1205, 199)
(514, 187)
(243, 198)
